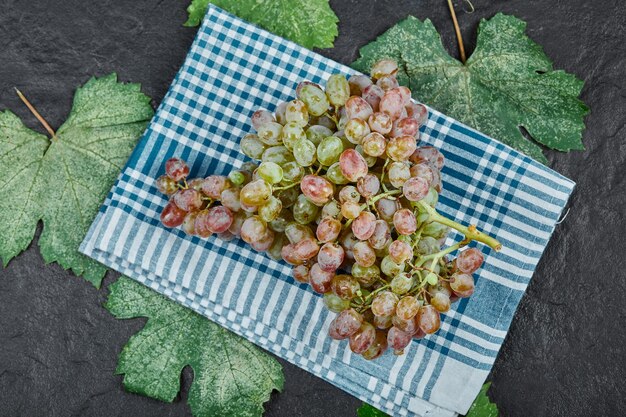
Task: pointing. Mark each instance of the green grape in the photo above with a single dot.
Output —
(390, 268)
(274, 251)
(370, 160)
(334, 175)
(316, 133)
(270, 133)
(304, 152)
(292, 132)
(270, 172)
(427, 246)
(288, 196)
(296, 112)
(366, 275)
(329, 150)
(314, 98)
(431, 198)
(401, 283)
(331, 209)
(277, 154)
(237, 177)
(304, 211)
(432, 279)
(279, 224)
(355, 130)
(252, 146)
(296, 232)
(292, 172)
(337, 90)
(271, 209)
(436, 230)
(334, 303)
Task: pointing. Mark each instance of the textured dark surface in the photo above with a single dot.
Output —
(565, 354)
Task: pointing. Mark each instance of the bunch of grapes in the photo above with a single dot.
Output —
(344, 194)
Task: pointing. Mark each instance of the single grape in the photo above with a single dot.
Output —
(225, 236)
(238, 219)
(353, 165)
(374, 144)
(320, 280)
(391, 268)
(355, 130)
(288, 254)
(252, 146)
(201, 224)
(363, 338)
(400, 251)
(442, 286)
(316, 133)
(407, 126)
(188, 200)
(428, 319)
(436, 230)
(335, 175)
(404, 221)
(381, 236)
(317, 189)
(337, 90)
(279, 224)
(296, 111)
(305, 152)
(172, 215)
(467, 261)
(219, 219)
(401, 148)
(270, 133)
(427, 246)
(423, 170)
(462, 285)
(330, 257)
(383, 68)
(271, 209)
(314, 98)
(237, 177)
(363, 226)
(384, 304)
(261, 117)
(255, 193)
(292, 172)
(398, 340)
(292, 132)
(349, 193)
(350, 210)
(415, 188)
(378, 347)
(274, 251)
(253, 229)
(328, 229)
(230, 198)
(304, 211)
(386, 208)
(399, 173)
(387, 83)
(265, 243)
(392, 103)
(213, 185)
(334, 303)
(195, 184)
(372, 94)
(332, 209)
(306, 249)
(280, 113)
(441, 302)
(368, 186)
(188, 225)
(176, 169)
(410, 326)
(428, 154)
(301, 273)
(329, 150)
(417, 111)
(382, 323)
(407, 307)
(345, 286)
(401, 283)
(405, 92)
(166, 185)
(363, 254)
(358, 83)
(271, 172)
(358, 108)
(366, 275)
(296, 232)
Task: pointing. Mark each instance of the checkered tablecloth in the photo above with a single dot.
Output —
(234, 68)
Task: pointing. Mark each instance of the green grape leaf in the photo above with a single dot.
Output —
(367, 410)
(63, 181)
(310, 23)
(482, 406)
(232, 377)
(507, 83)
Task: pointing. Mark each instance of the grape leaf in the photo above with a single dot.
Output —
(63, 181)
(367, 410)
(311, 23)
(482, 406)
(232, 377)
(507, 83)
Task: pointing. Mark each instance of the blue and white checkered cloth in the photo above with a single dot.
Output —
(234, 68)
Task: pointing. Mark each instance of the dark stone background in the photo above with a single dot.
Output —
(564, 355)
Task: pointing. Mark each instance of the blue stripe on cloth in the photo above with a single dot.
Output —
(232, 69)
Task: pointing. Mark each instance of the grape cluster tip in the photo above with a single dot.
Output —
(342, 192)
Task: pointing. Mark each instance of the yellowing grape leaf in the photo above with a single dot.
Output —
(63, 180)
(311, 23)
(232, 377)
(507, 83)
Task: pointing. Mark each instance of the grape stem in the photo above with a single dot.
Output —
(436, 256)
(470, 232)
(458, 31)
(35, 113)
